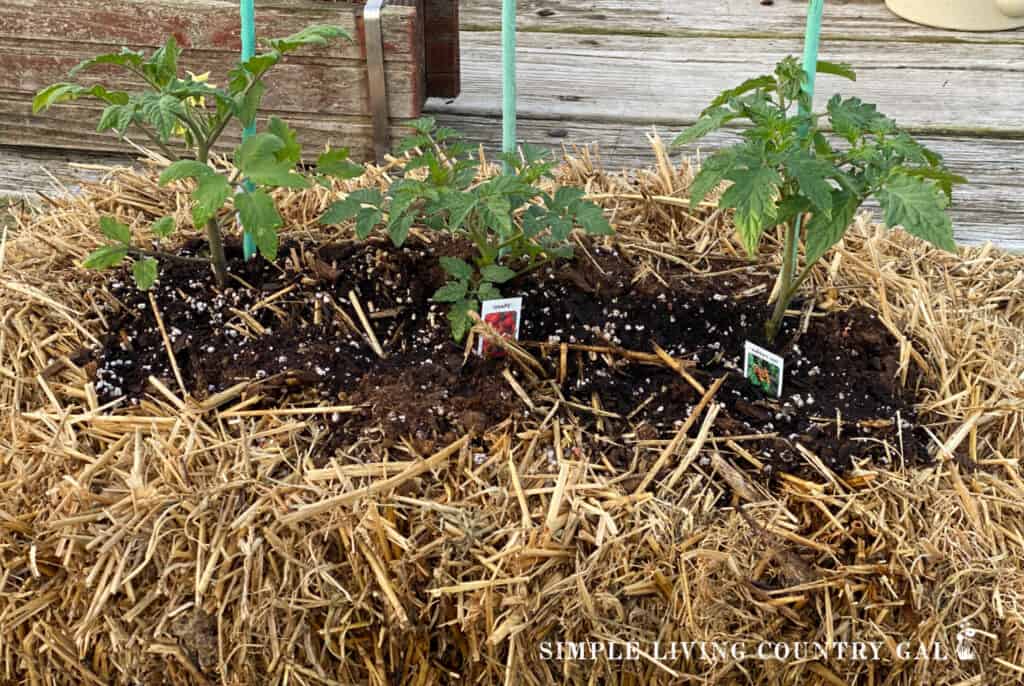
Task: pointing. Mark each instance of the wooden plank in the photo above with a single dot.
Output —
(856, 20)
(300, 84)
(22, 175)
(39, 46)
(926, 87)
(988, 208)
(441, 27)
(73, 126)
(200, 24)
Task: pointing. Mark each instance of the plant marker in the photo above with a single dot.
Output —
(763, 369)
(248, 15)
(505, 316)
(508, 80)
(812, 40)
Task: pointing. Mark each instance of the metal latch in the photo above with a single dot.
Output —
(376, 78)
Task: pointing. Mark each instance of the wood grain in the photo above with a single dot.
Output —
(199, 24)
(299, 84)
(39, 44)
(926, 87)
(73, 127)
(849, 20)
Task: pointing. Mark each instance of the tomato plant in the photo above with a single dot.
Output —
(513, 224)
(184, 118)
(787, 168)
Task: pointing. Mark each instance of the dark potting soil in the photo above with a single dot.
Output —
(841, 368)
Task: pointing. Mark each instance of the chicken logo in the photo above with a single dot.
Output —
(964, 646)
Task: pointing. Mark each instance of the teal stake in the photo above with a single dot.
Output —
(812, 40)
(248, 12)
(508, 82)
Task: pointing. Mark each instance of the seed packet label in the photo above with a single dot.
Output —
(763, 369)
(504, 317)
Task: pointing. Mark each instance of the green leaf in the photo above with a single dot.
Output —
(944, 178)
(821, 145)
(258, 65)
(837, 69)
(258, 148)
(712, 120)
(367, 220)
(451, 292)
(713, 172)
(163, 227)
(398, 228)
(458, 317)
(496, 213)
(423, 125)
(752, 195)
(337, 164)
(144, 271)
(124, 58)
(53, 94)
(112, 118)
(105, 257)
(791, 78)
(487, 291)
(566, 196)
(852, 118)
(247, 104)
(292, 151)
(790, 207)
(162, 67)
(591, 218)
(756, 83)
(318, 34)
(211, 192)
(412, 142)
(62, 92)
(280, 174)
(184, 169)
(825, 229)
(811, 175)
(918, 205)
(496, 273)
(115, 230)
(458, 268)
(258, 160)
(259, 215)
(162, 112)
(459, 206)
(349, 207)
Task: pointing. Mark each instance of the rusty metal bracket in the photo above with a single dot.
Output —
(376, 78)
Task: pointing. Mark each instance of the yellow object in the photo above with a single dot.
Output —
(964, 15)
(198, 103)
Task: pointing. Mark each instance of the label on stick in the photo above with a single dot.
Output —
(763, 369)
(504, 317)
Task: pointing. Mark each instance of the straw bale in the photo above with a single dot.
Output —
(167, 543)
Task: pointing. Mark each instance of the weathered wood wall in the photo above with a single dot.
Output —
(322, 92)
(441, 27)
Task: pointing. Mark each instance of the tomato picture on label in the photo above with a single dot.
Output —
(505, 324)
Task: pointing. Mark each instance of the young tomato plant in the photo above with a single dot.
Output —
(184, 118)
(786, 169)
(514, 226)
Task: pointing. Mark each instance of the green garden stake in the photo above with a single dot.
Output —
(812, 40)
(248, 13)
(508, 82)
